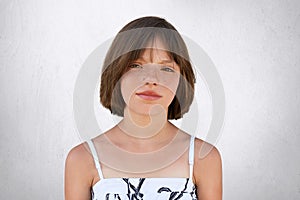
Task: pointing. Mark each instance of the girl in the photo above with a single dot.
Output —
(147, 79)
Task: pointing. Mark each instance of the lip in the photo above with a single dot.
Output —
(148, 95)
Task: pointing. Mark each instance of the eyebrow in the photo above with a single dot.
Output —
(161, 61)
(166, 61)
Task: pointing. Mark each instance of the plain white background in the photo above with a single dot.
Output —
(254, 45)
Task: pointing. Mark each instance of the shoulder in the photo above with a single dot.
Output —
(207, 157)
(208, 169)
(80, 161)
(79, 173)
(206, 152)
(79, 153)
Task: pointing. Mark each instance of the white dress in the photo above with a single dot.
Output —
(144, 188)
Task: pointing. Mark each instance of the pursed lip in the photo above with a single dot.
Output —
(148, 95)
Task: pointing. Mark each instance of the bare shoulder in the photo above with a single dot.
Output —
(80, 160)
(79, 153)
(208, 170)
(79, 173)
(206, 152)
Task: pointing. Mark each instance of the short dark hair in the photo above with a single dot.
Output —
(127, 47)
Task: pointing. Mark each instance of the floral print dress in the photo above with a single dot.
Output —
(144, 188)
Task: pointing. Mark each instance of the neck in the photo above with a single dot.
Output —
(143, 126)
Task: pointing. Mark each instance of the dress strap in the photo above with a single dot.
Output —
(95, 156)
(191, 155)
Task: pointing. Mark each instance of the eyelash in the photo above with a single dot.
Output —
(168, 69)
(164, 68)
(135, 66)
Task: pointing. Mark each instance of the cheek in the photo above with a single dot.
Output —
(171, 83)
(129, 84)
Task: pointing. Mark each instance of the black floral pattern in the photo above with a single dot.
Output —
(174, 195)
(193, 193)
(133, 193)
(116, 196)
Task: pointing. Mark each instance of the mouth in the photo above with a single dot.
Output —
(148, 95)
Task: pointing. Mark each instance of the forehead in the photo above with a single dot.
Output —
(155, 50)
(154, 55)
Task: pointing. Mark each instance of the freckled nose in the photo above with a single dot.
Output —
(150, 76)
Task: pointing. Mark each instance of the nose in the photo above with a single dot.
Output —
(150, 76)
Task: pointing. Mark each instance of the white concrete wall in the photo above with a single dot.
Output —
(254, 45)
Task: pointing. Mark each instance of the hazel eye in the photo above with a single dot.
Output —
(135, 65)
(168, 69)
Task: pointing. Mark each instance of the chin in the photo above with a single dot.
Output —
(148, 109)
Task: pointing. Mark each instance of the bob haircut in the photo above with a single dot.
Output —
(128, 46)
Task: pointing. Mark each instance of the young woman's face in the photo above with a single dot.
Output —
(150, 84)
